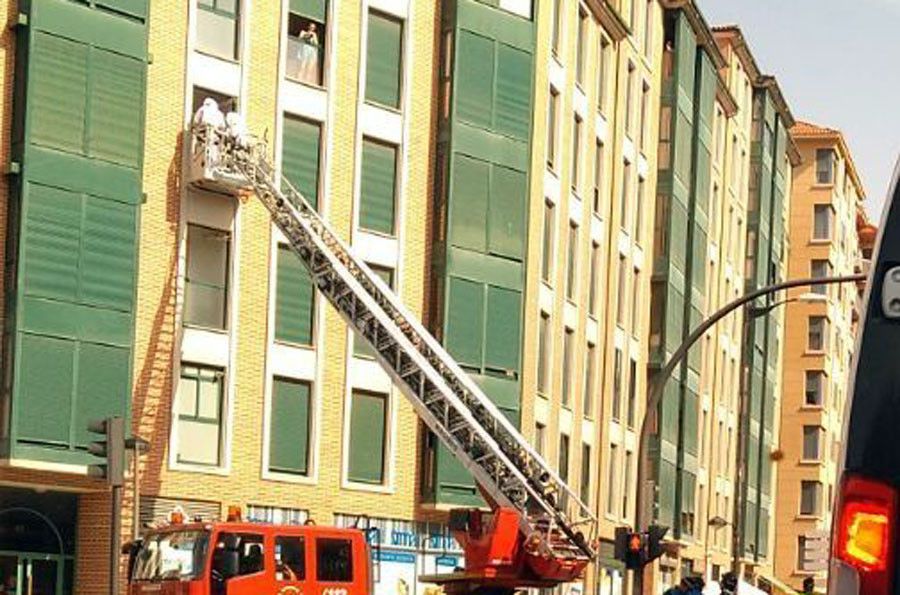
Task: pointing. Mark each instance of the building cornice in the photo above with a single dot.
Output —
(734, 35)
(610, 19)
(770, 83)
(701, 29)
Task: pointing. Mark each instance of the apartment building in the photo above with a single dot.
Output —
(588, 276)
(819, 340)
(724, 172)
(132, 292)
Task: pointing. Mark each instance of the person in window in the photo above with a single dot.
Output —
(308, 55)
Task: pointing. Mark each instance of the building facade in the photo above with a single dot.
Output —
(725, 172)
(560, 190)
(588, 279)
(819, 341)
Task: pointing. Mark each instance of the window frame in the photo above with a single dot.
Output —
(235, 16)
(225, 289)
(831, 169)
(222, 415)
(828, 209)
(572, 249)
(401, 66)
(817, 498)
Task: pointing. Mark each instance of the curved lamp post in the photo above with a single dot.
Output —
(658, 383)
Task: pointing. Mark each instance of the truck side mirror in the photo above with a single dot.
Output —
(225, 562)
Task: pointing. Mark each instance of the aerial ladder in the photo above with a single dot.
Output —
(538, 532)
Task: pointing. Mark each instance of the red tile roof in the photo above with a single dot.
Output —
(809, 129)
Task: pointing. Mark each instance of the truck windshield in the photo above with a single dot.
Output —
(178, 555)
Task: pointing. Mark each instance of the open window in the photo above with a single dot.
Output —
(306, 41)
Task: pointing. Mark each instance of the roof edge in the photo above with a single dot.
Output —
(609, 17)
(701, 28)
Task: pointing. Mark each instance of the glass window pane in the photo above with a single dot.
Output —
(187, 396)
(204, 306)
(198, 442)
(207, 255)
(290, 559)
(334, 560)
(217, 34)
(209, 399)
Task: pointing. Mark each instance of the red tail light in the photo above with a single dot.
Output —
(864, 533)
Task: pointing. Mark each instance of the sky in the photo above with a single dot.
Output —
(836, 62)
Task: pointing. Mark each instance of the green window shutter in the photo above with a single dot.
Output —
(513, 97)
(300, 155)
(52, 220)
(108, 254)
(289, 430)
(377, 187)
(690, 422)
(360, 347)
(383, 59)
(103, 372)
(294, 300)
(506, 213)
(502, 331)
(57, 93)
(468, 209)
(116, 108)
(465, 322)
(368, 421)
(311, 9)
(475, 78)
(46, 373)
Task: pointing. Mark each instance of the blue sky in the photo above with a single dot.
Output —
(836, 61)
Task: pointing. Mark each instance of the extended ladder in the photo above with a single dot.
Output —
(504, 464)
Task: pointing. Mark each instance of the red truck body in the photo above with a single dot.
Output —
(189, 559)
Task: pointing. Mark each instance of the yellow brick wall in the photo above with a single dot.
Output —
(157, 349)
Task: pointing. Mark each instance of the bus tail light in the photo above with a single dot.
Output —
(863, 538)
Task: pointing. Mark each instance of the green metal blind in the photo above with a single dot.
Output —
(468, 209)
(512, 106)
(368, 421)
(312, 9)
(475, 78)
(46, 372)
(289, 430)
(79, 248)
(384, 59)
(294, 300)
(506, 213)
(465, 322)
(360, 347)
(377, 187)
(300, 154)
(86, 100)
(502, 333)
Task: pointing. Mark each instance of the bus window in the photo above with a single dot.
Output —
(334, 560)
(290, 562)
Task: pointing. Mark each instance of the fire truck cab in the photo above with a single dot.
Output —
(238, 558)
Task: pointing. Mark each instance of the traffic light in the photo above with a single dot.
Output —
(630, 548)
(111, 448)
(655, 535)
(637, 549)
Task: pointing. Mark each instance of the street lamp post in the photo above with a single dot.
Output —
(644, 488)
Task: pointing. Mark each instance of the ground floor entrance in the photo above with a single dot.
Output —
(37, 542)
(25, 573)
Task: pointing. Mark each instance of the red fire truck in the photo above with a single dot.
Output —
(537, 533)
(241, 558)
